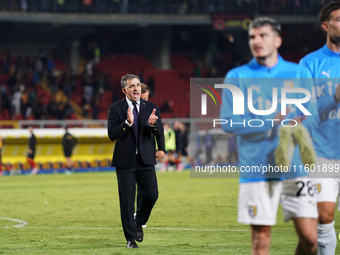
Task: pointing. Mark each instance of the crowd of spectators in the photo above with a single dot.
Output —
(29, 87)
(42, 88)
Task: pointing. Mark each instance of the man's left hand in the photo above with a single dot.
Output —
(153, 118)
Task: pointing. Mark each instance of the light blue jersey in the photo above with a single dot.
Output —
(324, 65)
(257, 144)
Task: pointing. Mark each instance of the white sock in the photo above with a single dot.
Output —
(326, 239)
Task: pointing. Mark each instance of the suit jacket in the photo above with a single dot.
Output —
(125, 149)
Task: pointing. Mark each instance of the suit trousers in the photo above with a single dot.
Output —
(145, 178)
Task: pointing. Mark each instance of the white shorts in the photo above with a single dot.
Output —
(298, 199)
(326, 189)
(258, 201)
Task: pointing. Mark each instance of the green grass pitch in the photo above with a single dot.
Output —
(79, 214)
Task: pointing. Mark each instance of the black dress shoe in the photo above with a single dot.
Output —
(131, 244)
(140, 233)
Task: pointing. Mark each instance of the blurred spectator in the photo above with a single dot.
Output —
(151, 84)
(178, 135)
(115, 5)
(32, 98)
(89, 68)
(98, 83)
(96, 107)
(86, 110)
(185, 139)
(171, 162)
(12, 81)
(52, 80)
(198, 151)
(166, 106)
(219, 160)
(96, 53)
(183, 8)
(209, 144)
(88, 88)
(6, 58)
(50, 65)
(43, 57)
(212, 72)
(198, 69)
(44, 5)
(28, 113)
(61, 111)
(5, 100)
(24, 104)
(16, 101)
(170, 138)
(40, 111)
(232, 150)
(124, 6)
(52, 108)
(24, 5)
(39, 67)
(65, 83)
(8, 5)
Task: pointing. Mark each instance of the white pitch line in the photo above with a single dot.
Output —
(36, 227)
(200, 229)
(152, 228)
(174, 229)
(209, 229)
(21, 224)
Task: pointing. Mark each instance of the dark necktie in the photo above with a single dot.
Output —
(135, 121)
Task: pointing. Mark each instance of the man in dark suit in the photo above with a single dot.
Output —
(134, 124)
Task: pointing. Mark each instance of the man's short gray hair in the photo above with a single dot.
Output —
(127, 77)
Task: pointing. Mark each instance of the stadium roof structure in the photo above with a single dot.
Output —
(106, 19)
(133, 19)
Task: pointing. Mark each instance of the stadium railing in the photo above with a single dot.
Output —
(85, 123)
(54, 123)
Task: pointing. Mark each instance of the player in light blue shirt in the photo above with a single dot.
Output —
(324, 64)
(255, 141)
(259, 196)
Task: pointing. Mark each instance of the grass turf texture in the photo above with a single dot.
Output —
(81, 216)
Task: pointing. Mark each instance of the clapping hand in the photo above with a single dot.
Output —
(130, 116)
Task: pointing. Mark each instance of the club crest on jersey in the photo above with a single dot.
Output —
(288, 84)
(317, 188)
(252, 210)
